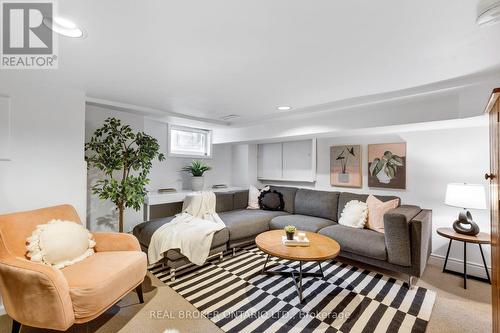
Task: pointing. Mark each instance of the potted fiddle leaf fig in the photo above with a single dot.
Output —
(197, 168)
(125, 157)
(385, 168)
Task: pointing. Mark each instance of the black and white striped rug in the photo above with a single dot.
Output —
(238, 298)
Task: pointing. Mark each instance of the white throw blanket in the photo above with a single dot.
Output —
(191, 231)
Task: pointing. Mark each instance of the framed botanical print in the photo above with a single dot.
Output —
(345, 166)
(387, 165)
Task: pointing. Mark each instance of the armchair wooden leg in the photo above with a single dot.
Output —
(16, 326)
(138, 290)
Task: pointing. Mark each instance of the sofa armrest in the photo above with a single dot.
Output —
(421, 240)
(35, 294)
(114, 241)
(397, 234)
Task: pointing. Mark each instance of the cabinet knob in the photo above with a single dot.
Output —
(489, 176)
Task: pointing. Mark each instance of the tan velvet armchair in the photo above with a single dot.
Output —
(38, 295)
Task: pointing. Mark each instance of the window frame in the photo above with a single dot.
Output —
(208, 141)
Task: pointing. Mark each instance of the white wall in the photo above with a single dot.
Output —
(102, 215)
(434, 159)
(47, 164)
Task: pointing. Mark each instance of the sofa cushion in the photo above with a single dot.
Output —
(363, 242)
(240, 199)
(144, 231)
(244, 223)
(345, 197)
(271, 200)
(302, 222)
(288, 197)
(220, 238)
(223, 201)
(317, 203)
(102, 279)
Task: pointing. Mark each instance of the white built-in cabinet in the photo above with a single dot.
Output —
(287, 161)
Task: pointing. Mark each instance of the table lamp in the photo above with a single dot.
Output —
(466, 196)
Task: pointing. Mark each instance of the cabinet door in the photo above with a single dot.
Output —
(270, 163)
(299, 160)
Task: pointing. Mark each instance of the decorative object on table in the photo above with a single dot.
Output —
(387, 165)
(376, 211)
(479, 239)
(125, 157)
(354, 214)
(219, 186)
(466, 196)
(167, 190)
(290, 231)
(271, 200)
(345, 166)
(295, 241)
(197, 168)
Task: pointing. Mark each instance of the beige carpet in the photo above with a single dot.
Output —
(456, 310)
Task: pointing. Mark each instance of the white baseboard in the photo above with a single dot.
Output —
(458, 265)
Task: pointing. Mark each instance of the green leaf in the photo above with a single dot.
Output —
(117, 150)
(197, 168)
(390, 170)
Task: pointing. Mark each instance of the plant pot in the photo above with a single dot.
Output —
(197, 183)
(343, 178)
(289, 235)
(383, 177)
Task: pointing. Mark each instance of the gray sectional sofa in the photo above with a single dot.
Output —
(405, 246)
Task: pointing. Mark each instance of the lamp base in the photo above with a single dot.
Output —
(465, 225)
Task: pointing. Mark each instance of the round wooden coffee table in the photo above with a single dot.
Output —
(321, 248)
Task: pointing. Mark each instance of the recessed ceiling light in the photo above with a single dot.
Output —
(284, 108)
(64, 27)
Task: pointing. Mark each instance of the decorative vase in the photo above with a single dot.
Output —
(343, 178)
(197, 183)
(289, 235)
(383, 177)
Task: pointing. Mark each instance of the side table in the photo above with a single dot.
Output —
(479, 239)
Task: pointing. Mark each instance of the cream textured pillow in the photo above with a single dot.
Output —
(253, 197)
(60, 243)
(377, 210)
(354, 214)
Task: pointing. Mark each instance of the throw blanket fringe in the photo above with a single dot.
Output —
(191, 231)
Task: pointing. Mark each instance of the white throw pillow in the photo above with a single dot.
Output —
(253, 197)
(60, 243)
(355, 214)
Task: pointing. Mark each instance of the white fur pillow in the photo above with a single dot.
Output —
(60, 243)
(355, 214)
(253, 197)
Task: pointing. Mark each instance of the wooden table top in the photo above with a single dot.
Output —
(480, 238)
(321, 247)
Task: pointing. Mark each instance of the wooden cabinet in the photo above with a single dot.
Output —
(287, 161)
(493, 109)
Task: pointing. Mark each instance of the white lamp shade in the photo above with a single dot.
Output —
(466, 196)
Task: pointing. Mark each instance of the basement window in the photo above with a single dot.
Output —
(189, 142)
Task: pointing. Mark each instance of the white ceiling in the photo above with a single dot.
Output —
(213, 58)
